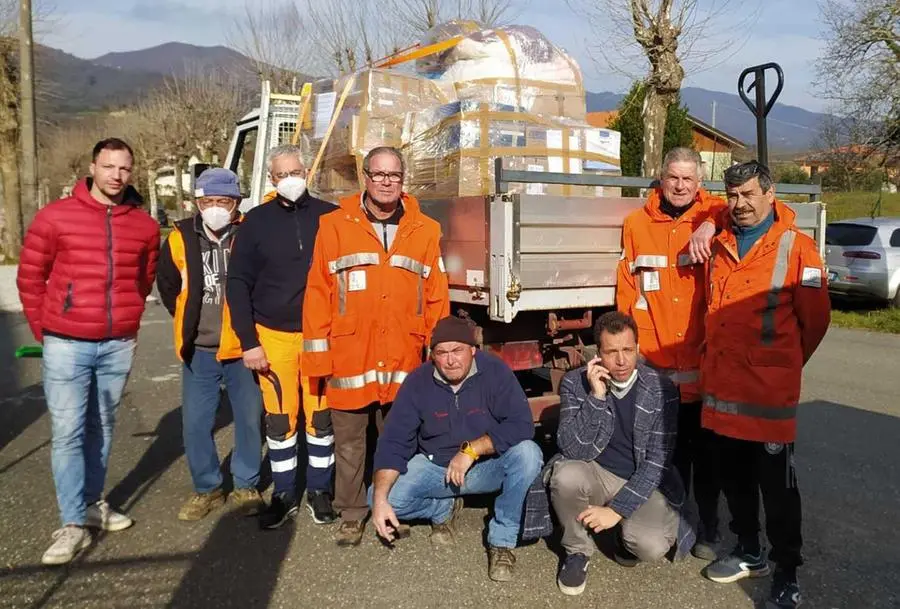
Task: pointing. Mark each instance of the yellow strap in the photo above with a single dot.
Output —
(504, 37)
(431, 49)
(334, 119)
(484, 165)
(305, 97)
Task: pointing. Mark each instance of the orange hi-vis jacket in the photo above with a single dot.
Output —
(659, 286)
(767, 314)
(368, 313)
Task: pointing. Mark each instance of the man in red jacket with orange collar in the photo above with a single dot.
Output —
(376, 289)
(86, 269)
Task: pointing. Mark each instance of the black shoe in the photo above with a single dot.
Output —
(319, 504)
(707, 545)
(737, 565)
(785, 592)
(623, 555)
(280, 510)
(572, 576)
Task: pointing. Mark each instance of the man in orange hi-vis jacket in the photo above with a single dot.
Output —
(768, 311)
(376, 289)
(661, 285)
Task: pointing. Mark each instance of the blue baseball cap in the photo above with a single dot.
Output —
(217, 182)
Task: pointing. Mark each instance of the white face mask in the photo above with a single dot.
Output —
(291, 188)
(216, 218)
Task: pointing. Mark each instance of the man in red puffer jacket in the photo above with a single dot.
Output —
(87, 267)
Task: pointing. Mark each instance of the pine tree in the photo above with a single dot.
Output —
(628, 122)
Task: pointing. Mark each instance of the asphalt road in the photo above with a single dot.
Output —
(847, 459)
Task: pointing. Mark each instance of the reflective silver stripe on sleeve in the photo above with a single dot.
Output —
(779, 274)
(351, 260)
(685, 260)
(654, 262)
(680, 376)
(342, 292)
(410, 264)
(771, 413)
(370, 376)
(316, 345)
(441, 264)
(426, 272)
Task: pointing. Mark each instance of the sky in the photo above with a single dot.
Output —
(783, 31)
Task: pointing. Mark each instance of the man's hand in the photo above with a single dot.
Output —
(386, 523)
(255, 359)
(597, 377)
(699, 247)
(599, 518)
(456, 470)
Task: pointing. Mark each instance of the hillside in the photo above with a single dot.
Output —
(789, 128)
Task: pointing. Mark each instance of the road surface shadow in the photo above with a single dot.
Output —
(166, 448)
(848, 468)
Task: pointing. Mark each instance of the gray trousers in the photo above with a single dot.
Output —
(648, 534)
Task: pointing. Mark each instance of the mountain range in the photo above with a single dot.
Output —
(72, 85)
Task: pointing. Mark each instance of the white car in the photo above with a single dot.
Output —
(863, 258)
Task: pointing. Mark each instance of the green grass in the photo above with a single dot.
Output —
(843, 205)
(863, 315)
(878, 320)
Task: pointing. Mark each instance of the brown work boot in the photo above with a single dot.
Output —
(247, 501)
(201, 504)
(501, 562)
(444, 534)
(350, 533)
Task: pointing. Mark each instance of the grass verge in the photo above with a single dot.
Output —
(850, 315)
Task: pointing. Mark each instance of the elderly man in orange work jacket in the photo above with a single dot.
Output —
(376, 289)
(660, 284)
(768, 311)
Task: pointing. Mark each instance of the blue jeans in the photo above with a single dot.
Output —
(83, 383)
(199, 403)
(422, 493)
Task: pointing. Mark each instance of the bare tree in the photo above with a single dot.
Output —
(333, 37)
(664, 39)
(860, 70)
(185, 117)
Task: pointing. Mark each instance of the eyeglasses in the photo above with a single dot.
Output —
(207, 202)
(394, 177)
(297, 173)
(455, 352)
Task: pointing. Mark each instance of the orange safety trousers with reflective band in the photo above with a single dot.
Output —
(659, 286)
(767, 314)
(368, 314)
(229, 345)
(283, 391)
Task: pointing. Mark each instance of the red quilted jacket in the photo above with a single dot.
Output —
(86, 268)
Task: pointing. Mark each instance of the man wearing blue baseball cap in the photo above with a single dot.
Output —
(191, 281)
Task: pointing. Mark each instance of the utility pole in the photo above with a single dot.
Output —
(27, 119)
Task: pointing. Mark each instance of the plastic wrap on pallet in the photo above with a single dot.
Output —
(451, 150)
(515, 65)
(373, 114)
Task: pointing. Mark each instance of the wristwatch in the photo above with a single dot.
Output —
(466, 449)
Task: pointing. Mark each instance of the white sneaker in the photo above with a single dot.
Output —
(101, 516)
(67, 542)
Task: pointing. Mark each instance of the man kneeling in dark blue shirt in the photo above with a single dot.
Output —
(460, 425)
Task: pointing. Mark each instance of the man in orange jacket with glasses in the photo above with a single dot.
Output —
(376, 289)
